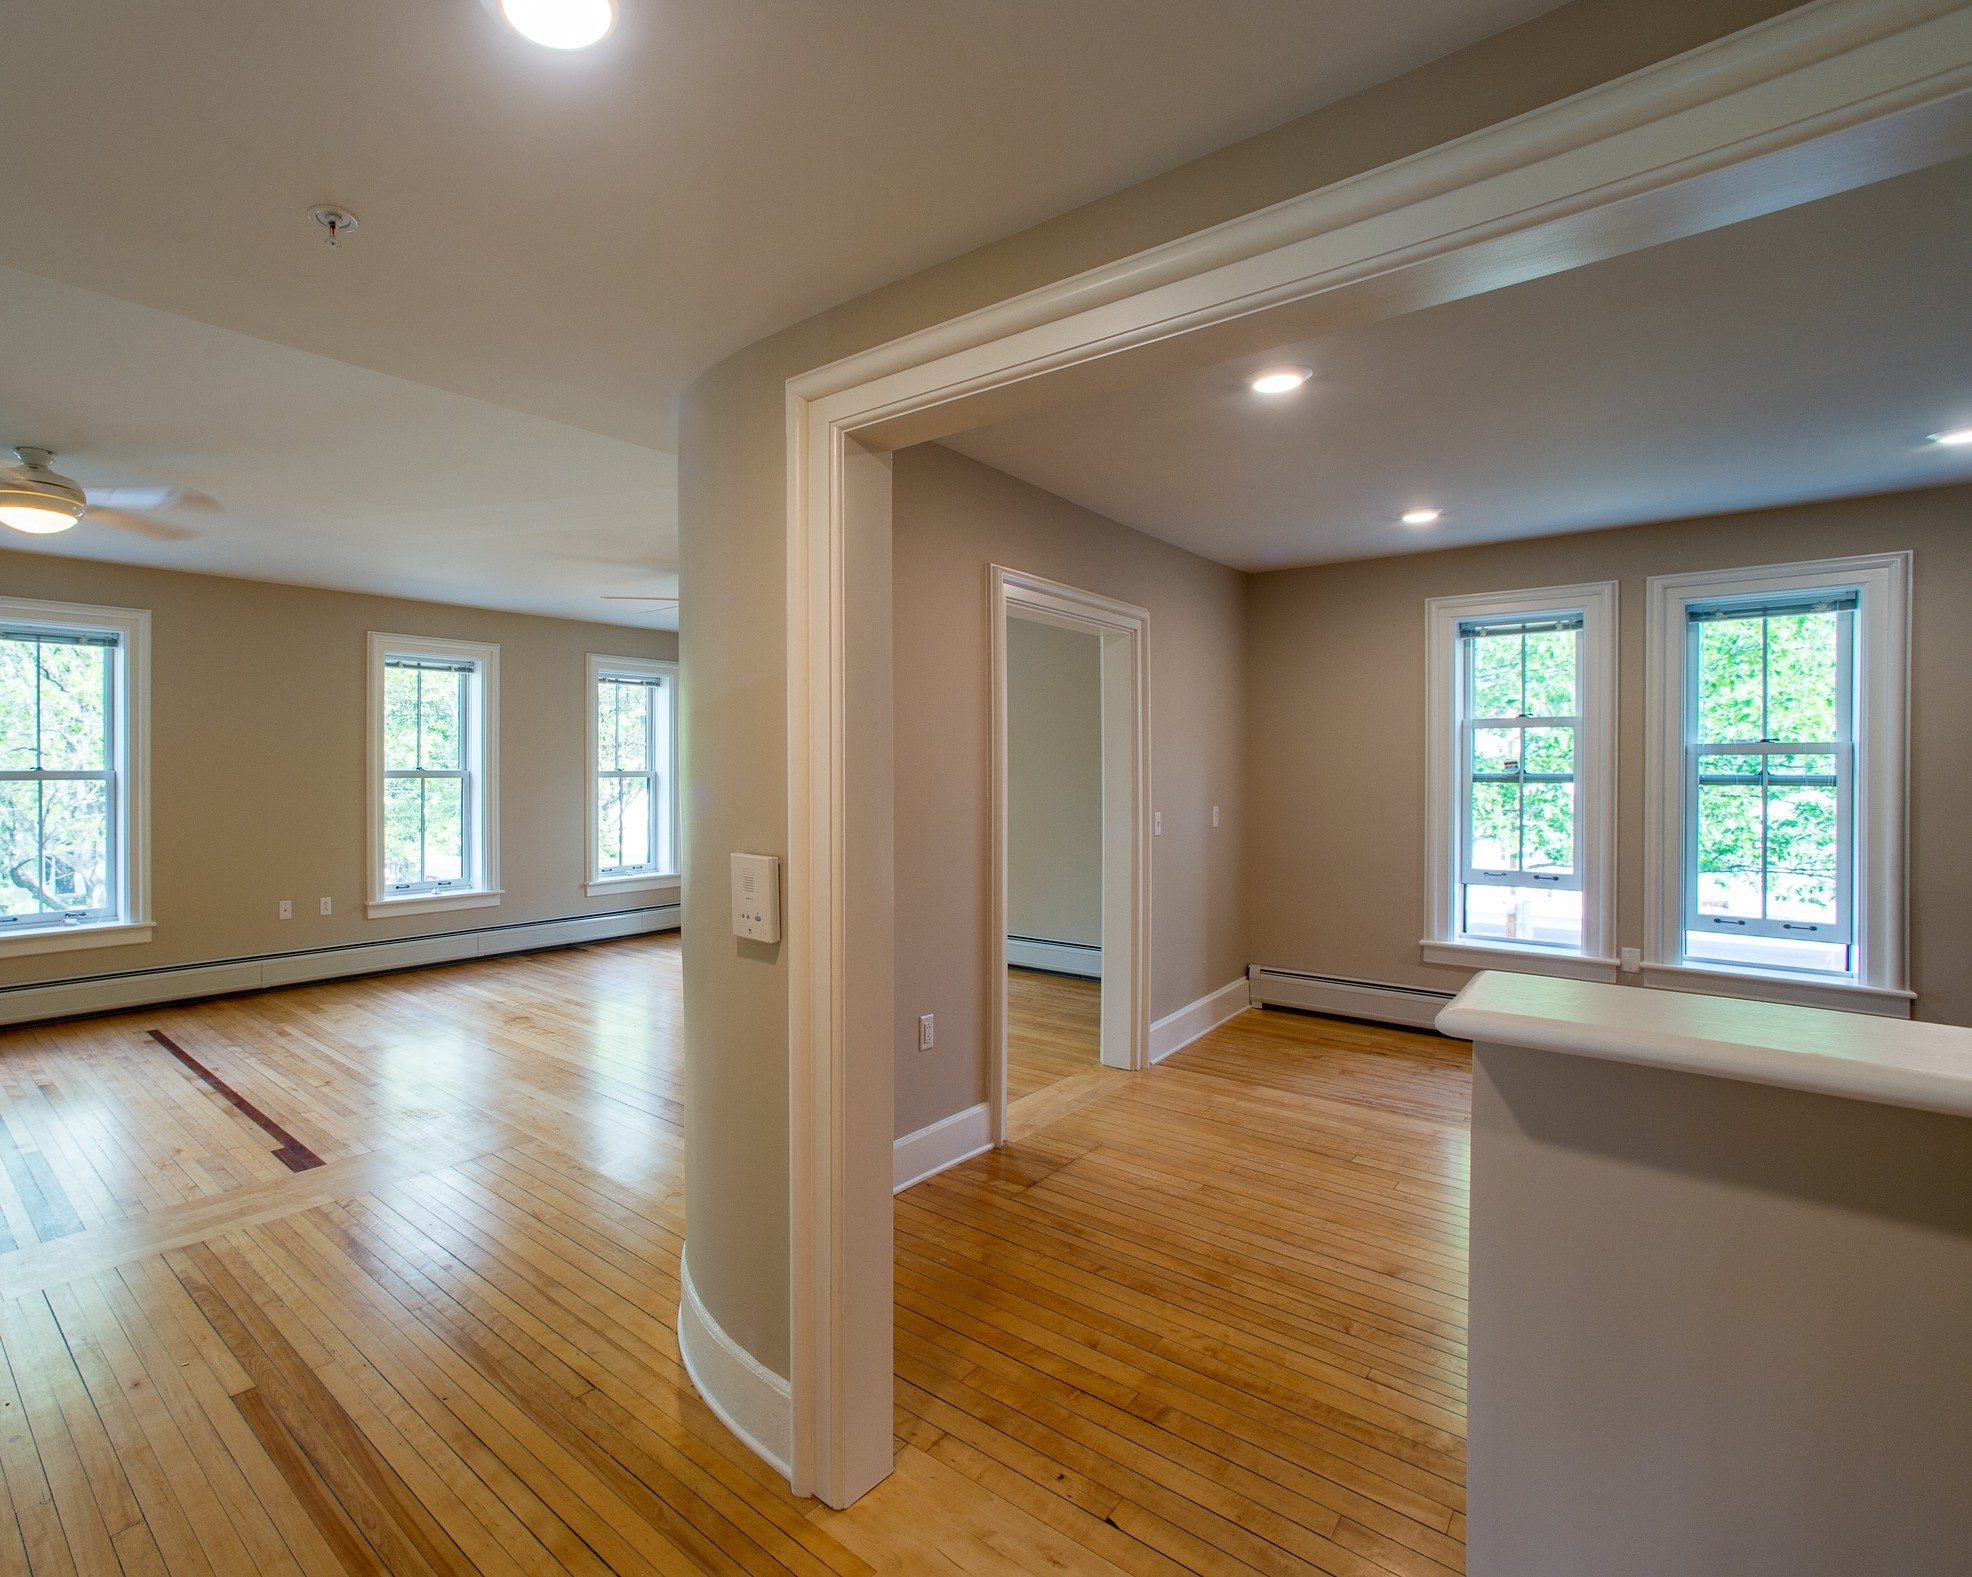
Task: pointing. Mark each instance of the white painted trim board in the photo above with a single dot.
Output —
(1175, 1031)
(945, 1143)
(748, 1397)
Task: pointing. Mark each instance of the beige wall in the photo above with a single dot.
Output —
(953, 518)
(1054, 783)
(1335, 867)
(259, 701)
(732, 518)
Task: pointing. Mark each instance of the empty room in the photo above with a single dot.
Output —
(1127, 789)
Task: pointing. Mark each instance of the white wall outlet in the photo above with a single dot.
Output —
(328, 906)
(1215, 815)
(1632, 960)
(287, 908)
(1157, 824)
(925, 1036)
(757, 897)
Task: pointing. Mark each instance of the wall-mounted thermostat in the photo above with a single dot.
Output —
(757, 897)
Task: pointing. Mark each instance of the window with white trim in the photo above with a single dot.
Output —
(1777, 766)
(633, 793)
(432, 756)
(1521, 743)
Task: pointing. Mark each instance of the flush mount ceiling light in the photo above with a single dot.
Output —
(35, 499)
(560, 24)
(1420, 517)
(1280, 380)
(1961, 435)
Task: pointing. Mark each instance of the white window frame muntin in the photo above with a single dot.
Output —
(1595, 780)
(600, 666)
(130, 821)
(483, 830)
(1879, 982)
(1468, 726)
(1841, 749)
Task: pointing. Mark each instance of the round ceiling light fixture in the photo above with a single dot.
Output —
(561, 24)
(1280, 380)
(1953, 439)
(35, 499)
(1420, 517)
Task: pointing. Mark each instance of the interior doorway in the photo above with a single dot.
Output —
(1070, 822)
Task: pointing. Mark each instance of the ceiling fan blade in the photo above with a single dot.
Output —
(140, 525)
(154, 497)
(610, 596)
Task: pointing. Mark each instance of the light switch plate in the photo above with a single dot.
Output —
(757, 897)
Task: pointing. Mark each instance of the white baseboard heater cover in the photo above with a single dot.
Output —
(1375, 1000)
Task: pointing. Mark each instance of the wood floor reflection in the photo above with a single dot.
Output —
(1207, 1319)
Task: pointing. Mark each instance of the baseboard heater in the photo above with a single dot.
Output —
(1061, 958)
(33, 1002)
(1366, 999)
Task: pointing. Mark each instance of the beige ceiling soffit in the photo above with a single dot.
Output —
(1801, 81)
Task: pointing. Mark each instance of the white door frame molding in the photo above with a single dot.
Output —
(1124, 631)
(1831, 96)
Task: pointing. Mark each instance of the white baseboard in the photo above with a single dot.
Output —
(1367, 999)
(25, 1004)
(1176, 1030)
(1061, 958)
(944, 1143)
(749, 1398)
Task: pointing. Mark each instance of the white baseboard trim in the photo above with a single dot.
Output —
(1061, 958)
(1367, 999)
(1176, 1030)
(26, 1004)
(749, 1398)
(944, 1143)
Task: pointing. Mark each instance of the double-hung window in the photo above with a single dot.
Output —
(432, 757)
(633, 792)
(71, 774)
(1521, 738)
(1777, 766)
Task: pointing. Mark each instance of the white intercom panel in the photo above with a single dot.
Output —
(757, 897)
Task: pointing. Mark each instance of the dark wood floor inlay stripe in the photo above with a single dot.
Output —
(293, 1154)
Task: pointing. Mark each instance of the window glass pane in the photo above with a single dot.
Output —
(1801, 766)
(441, 721)
(1520, 914)
(606, 700)
(1730, 670)
(74, 707)
(1801, 675)
(445, 830)
(1496, 688)
(1495, 750)
(633, 728)
(1496, 826)
(75, 843)
(1551, 674)
(609, 824)
(1550, 828)
(400, 719)
(1550, 751)
(636, 822)
(1729, 850)
(18, 677)
(1730, 768)
(1801, 830)
(20, 848)
(403, 831)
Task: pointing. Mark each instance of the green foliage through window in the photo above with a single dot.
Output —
(57, 777)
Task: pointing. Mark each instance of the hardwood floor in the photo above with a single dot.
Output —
(1207, 1319)
(1053, 1029)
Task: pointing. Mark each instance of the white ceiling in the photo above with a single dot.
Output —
(558, 242)
(1802, 355)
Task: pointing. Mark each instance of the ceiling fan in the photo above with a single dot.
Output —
(40, 501)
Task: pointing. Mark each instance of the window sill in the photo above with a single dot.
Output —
(1843, 996)
(433, 903)
(1519, 960)
(603, 886)
(70, 938)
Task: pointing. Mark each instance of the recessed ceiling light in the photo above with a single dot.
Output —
(1962, 435)
(1280, 380)
(561, 24)
(1421, 517)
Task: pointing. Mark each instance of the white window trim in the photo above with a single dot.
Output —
(1882, 726)
(1595, 781)
(485, 892)
(133, 922)
(596, 884)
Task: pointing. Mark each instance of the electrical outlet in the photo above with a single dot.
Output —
(287, 908)
(1215, 815)
(1632, 960)
(924, 1032)
(328, 906)
(1157, 824)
